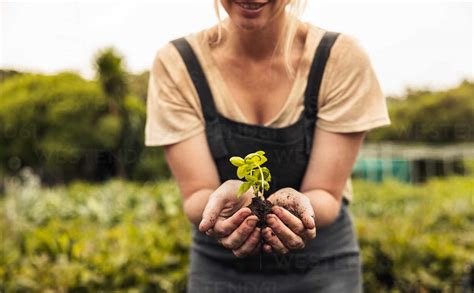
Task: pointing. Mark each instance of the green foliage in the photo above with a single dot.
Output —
(116, 236)
(65, 127)
(126, 236)
(7, 73)
(62, 127)
(415, 238)
(469, 165)
(255, 175)
(427, 116)
(111, 75)
(46, 122)
(151, 166)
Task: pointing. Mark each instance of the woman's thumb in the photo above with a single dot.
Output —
(210, 214)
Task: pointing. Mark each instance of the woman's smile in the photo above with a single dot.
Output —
(254, 14)
(250, 9)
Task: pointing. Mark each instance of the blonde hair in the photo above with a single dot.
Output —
(294, 9)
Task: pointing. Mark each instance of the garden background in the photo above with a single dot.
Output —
(84, 206)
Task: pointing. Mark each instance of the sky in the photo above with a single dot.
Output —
(417, 44)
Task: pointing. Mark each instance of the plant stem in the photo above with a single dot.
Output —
(263, 187)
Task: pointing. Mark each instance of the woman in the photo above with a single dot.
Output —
(263, 80)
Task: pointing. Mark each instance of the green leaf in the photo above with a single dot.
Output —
(266, 174)
(255, 159)
(241, 171)
(237, 161)
(243, 188)
(250, 177)
(266, 186)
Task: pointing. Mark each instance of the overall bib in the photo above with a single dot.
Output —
(328, 263)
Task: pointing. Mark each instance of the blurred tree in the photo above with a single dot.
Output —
(431, 116)
(7, 73)
(62, 127)
(112, 78)
(55, 124)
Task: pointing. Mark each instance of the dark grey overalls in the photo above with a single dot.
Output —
(328, 263)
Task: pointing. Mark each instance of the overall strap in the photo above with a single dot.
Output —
(213, 128)
(314, 83)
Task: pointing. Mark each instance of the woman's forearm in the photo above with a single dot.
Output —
(326, 207)
(194, 205)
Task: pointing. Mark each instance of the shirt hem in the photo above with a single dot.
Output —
(384, 121)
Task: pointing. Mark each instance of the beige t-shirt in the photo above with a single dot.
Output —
(350, 97)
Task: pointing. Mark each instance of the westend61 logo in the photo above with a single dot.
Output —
(305, 262)
(260, 132)
(243, 285)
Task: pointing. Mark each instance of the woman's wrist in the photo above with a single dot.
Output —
(194, 205)
(325, 205)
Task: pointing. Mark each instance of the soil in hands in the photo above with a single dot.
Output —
(260, 208)
(290, 209)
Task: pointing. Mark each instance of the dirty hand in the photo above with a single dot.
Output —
(284, 230)
(227, 218)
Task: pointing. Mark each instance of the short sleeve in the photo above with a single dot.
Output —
(351, 99)
(172, 112)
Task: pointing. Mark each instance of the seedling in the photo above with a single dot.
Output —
(258, 177)
(255, 175)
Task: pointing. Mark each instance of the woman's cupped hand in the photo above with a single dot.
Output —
(286, 231)
(227, 219)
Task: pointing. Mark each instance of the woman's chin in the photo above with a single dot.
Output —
(250, 25)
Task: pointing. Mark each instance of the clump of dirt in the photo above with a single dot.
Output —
(260, 208)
